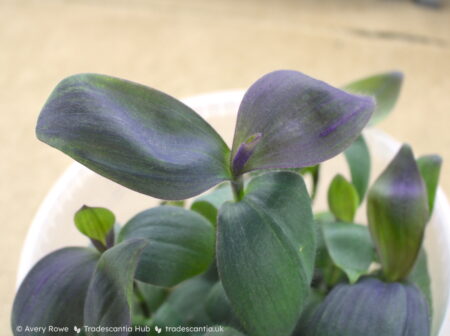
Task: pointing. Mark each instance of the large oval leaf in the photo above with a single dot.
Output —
(134, 135)
(110, 294)
(181, 244)
(397, 211)
(265, 253)
(54, 291)
(371, 308)
(385, 88)
(289, 120)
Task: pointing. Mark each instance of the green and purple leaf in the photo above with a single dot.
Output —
(397, 211)
(265, 253)
(343, 199)
(110, 294)
(371, 308)
(350, 247)
(430, 169)
(134, 135)
(289, 120)
(96, 224)
(359, 162)
(181, 244)
(54, 291)
(385, 88)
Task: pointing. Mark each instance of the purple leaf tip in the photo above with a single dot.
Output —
(244, 152)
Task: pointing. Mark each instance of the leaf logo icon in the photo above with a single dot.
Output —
(76, 329)
(158, 329)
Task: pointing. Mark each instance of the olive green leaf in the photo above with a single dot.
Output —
(343, 199)
(95, 223)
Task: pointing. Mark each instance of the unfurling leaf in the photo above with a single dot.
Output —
(371, 308)
(385, 88)
(110, 294)
(265, 253)
(54, 291)
(95, 223)
(397, 212)
(343, 199)
(350, 247)
(430, 169)
(181, 244)
(358, 159)
(293, 121)
(134, 135)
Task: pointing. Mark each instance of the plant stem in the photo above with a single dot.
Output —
(237, 185)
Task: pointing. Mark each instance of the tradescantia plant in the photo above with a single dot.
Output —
(249, 257)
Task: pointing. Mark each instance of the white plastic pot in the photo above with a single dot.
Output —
(53, 228)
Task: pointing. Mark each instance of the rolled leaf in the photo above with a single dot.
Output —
(385, 88)
(134, 135)
(430, 169)
(298, 121)
(343, 199)
(371, 308)
(265, 253)
(397, 212)
(350, 247)
(110, 294)
(95, 223)
(359, 162)
(181, 244)
(208, 205)
(54, 291)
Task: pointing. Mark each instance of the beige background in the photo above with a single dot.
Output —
(191, 47)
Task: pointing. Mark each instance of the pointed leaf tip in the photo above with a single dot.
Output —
(303, 121)
(397, 212)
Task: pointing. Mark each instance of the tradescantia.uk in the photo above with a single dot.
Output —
(248, 257)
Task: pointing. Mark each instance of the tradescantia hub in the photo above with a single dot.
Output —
(249, 256)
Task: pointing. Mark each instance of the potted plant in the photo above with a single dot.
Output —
(249, 257)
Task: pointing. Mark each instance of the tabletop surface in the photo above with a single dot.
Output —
(191, 47)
